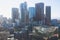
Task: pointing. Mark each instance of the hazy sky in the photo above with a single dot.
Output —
(7, 5)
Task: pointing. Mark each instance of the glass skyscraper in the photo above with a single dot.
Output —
(48, 15)
(31, 12)
(40, 12)
(24, 13)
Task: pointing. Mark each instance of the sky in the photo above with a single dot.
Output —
(7, 5)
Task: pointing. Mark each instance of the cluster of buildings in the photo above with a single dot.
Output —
(27, 18)
(38, 15)
(33, 15)
(30, 17)
(4, 22)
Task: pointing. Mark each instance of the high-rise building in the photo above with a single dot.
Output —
(48, 15)
(15, 14)
(24, 13)
(40, 12)
(31, 12)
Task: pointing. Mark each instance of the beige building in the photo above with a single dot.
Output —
(4, 35)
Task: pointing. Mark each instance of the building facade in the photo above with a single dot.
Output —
(24, 13)
(40, 12)
(31, 12)
(48, 15)
(15, 14)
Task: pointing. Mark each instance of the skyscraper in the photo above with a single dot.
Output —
(24, 13)
(48, 15)
(40, 12)
(31, 12)
(15, 14)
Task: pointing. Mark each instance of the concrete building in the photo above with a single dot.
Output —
(4, 33)
(15, 14)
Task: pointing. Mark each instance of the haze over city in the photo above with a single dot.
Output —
(29, 20)
(7, 5)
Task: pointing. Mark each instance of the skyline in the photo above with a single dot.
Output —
(6, 6)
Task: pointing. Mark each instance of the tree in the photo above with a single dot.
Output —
(41, 34)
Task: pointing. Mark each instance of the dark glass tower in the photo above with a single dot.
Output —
(40, 12)
(48, 15)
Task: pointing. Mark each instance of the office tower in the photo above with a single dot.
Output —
(15, 14)
(24, 13)
(40, 12)
(48, 15)
(31, 13)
